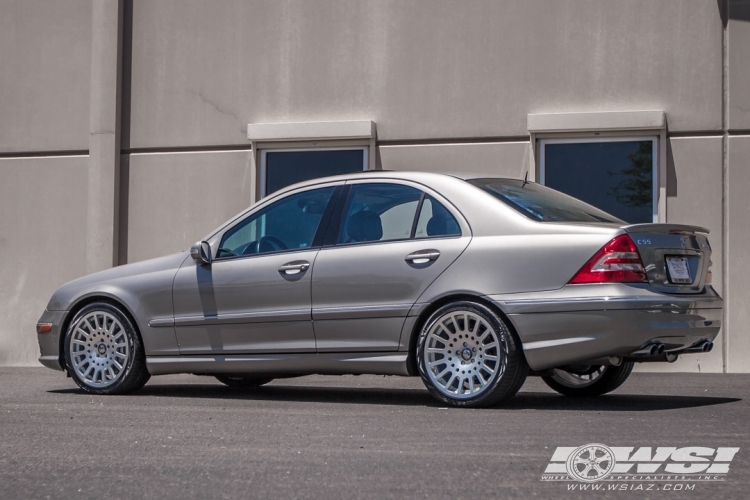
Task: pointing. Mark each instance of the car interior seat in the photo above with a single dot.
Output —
(364, 225)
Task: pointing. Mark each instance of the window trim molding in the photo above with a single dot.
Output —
(264, 151)
(587, 139)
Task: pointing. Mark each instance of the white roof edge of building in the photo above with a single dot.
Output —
(596, 121)
(306, 131)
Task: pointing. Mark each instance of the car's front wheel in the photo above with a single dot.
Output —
(468, 357)
(587, 381)
(103, 352)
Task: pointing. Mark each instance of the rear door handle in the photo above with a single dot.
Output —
(295, 267)
(422, 256)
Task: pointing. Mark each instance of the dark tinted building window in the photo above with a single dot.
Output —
(283, 168)
(615, 176)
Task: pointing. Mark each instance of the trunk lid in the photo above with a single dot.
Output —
(676, 257)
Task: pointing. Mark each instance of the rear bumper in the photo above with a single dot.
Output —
(573, 327)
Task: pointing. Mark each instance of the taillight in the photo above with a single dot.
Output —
(617, 262)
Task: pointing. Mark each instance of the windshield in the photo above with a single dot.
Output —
(541, 203)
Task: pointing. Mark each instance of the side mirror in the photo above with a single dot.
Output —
(201, 252)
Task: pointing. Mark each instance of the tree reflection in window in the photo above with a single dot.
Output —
(635, 188)
(613, 175)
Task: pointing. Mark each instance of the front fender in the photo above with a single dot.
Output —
(143, 289)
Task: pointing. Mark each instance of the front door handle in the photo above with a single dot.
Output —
(295, 267)
(422, 256)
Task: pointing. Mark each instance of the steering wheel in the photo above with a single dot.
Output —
(270, 244)
(248, 249)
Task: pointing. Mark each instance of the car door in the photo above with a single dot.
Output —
(390, 243)
(255, 295)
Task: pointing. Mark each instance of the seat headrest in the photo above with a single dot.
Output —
(437, 225)
(365, 225)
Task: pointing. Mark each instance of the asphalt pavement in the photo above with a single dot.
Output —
(348, 437)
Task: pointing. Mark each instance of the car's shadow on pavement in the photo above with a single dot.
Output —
(420, 397)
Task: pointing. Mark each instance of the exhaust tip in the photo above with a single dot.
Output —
(655, 349)
(615, 360)
(708, 346)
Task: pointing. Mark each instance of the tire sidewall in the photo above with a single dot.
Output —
(612, 378)
(134, 348)
(501, 387)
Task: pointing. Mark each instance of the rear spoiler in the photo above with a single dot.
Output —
(664, 228)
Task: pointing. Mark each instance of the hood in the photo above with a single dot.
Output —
(102, 281)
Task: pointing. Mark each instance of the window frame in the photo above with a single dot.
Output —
(418, 215)
(332, 231)
(322, 229)
(655, 154)
(264, 151)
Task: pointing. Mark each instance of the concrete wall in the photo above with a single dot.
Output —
(738, 31)
(176, 199)
(449, 85)
(43, 242)
(736, 187)
(432, 69)
(508, 159)
(738, 255)
(45, 61)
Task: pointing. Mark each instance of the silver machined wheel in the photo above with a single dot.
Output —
(464, 354)
(99, 349)
(576, 380)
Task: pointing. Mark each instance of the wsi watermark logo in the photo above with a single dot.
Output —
(595, 462)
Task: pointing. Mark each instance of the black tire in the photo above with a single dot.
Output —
(501, 385)
(133, 374)
(243, 381)
(610, 379)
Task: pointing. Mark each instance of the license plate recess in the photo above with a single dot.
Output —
(678, 270)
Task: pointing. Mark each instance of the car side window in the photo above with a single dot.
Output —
(378, 212)
(435, 220)
(290, 223)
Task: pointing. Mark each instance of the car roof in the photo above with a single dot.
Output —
(415, 176)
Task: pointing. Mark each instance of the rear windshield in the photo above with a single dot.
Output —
(541, 203)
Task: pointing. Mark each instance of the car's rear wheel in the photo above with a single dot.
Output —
(587, 381)
(468, 357)
(242, 382)
(103, 351)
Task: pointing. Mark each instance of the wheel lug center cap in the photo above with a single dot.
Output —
(102, 349)
(466, 353)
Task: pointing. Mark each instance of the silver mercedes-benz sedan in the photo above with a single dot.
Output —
(471, 284)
